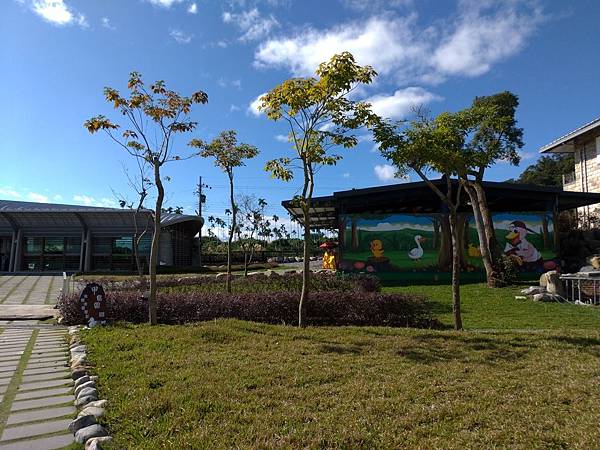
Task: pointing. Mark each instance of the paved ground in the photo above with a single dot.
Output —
(29, 289)
(36, 399)
(28, 296)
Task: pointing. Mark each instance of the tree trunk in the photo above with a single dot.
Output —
(455, 271)
(488, 224)
(436, 232)
(484, 248)
(155, 242)
(545, 234)
(445, 252)
(354, 234)
(306, 271)
(245, 264)
(231, 231)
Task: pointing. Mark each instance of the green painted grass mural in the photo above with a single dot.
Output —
(421, 243)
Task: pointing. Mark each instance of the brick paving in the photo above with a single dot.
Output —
(36, 394)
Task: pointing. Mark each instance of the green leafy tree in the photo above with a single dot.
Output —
(227, 155)
(319, 115)
(548, 170)
(427, 145)
(154, 116)
(492, 135)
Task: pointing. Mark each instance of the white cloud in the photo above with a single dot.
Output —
(389, 45)
(222, 44)
(234, 108)
(57, 198)
(387, 226)
(481, 39)
(164, 3)
(346, 175)
(251, 23)
(400, 104)
(370, 5)
(105, 21)
(253, 107)
(193, 8)
(224, 82)
(281, 138)
(385, 172)
(87, 200)
(10, 192)
(57, 12)
(181, 37)
(39, 198)
(483, 34)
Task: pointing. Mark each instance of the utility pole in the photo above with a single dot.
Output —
(201, 200)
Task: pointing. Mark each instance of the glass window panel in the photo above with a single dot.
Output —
(144, 245)
(54, 246)
(123, 245)
(102, 246)
(73, 245)
(33, 245)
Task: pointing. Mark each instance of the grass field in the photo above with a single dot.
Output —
(484, 308)
(232, 384)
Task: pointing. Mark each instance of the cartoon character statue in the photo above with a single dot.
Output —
(376, 247)
(417, 253)
(518, 246)
(329, 260)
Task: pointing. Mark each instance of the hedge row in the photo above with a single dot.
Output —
(322, 308)
(258, 283)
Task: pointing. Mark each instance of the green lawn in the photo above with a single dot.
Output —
(497, 309)
(233, 384)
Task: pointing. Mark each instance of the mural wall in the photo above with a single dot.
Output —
(422, 243)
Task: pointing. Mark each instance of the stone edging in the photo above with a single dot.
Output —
(85, 427)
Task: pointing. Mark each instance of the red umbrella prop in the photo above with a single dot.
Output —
(328, 245)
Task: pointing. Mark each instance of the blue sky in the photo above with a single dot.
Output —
(57, 56)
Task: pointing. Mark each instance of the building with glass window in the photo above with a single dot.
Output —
(39, 237)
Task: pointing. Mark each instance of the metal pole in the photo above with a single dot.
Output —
(200, 214)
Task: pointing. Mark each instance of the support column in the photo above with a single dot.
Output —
(82, 252)
(18, 251)
(13, 243)
(88, 252)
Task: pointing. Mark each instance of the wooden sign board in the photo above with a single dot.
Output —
(93, 304)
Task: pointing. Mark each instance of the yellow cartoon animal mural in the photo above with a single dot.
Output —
(376, 247)
(474, 252)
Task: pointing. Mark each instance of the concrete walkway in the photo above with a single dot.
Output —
(36, 399)
(28, 296)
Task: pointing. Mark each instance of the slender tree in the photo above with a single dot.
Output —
(424, 145)
(320, 116)
(228, 155)
(253, 225)
(155, 115)
(141, 185)
(493, 136)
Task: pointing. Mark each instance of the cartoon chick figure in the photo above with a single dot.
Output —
(376, 247)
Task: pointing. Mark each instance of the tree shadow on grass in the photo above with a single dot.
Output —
(587, 344)
(433, 348)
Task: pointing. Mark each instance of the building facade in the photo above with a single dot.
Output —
(40, 237)
(402, 232)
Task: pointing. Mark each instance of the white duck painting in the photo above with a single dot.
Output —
(417, 253)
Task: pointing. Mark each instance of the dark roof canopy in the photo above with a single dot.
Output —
(43, 216)
(418, 197)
